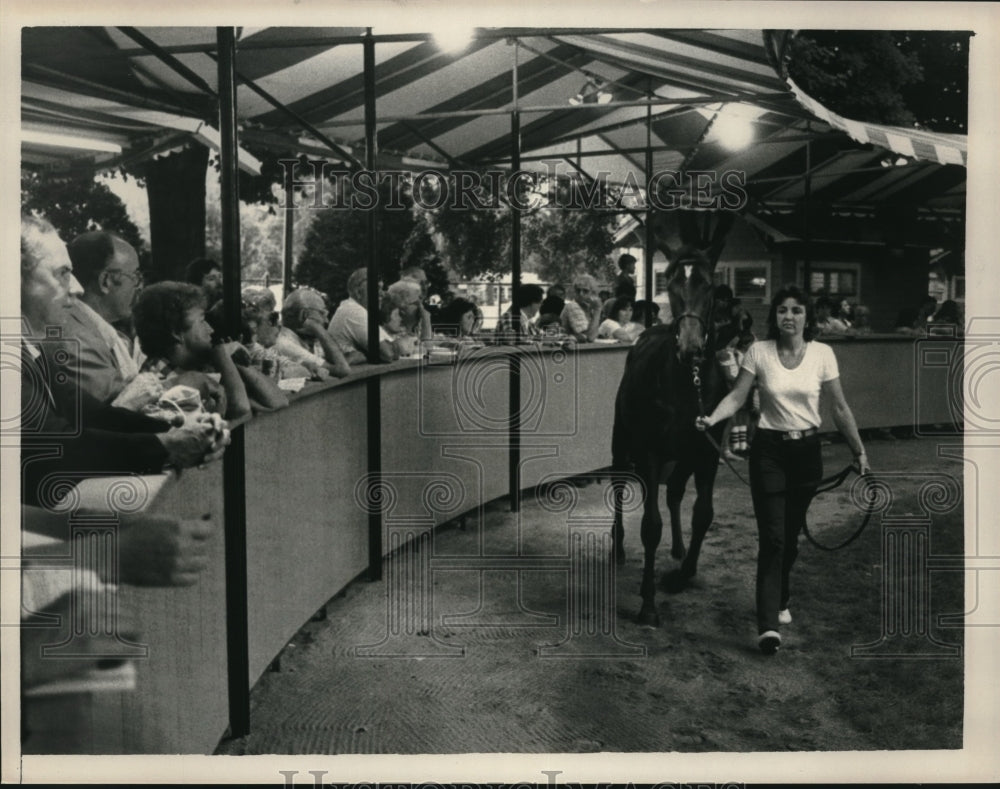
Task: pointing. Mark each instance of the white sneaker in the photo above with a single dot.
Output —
(784, 617)
(769, 641)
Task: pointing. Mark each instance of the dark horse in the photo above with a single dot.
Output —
(671, 377)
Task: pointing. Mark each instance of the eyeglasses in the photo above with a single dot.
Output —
(136, 276)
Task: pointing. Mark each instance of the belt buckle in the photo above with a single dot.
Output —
(793, 435)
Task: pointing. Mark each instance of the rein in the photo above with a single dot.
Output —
(823, 486)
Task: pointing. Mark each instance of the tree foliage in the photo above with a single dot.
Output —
(900, 78)
(560, 243)
(78, 204)
(474, 242)
(337, 242)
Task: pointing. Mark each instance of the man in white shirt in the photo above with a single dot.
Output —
(349, 325)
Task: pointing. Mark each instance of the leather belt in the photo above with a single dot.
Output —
(796, 435)
(792, 435)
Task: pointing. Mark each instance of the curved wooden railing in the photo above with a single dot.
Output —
(445, 452)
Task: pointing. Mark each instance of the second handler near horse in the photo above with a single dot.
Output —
(792, 371)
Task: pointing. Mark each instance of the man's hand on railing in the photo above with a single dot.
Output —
(160, 550)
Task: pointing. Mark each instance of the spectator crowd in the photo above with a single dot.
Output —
(140, 379)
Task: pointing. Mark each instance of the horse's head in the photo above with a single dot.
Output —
(689, 288)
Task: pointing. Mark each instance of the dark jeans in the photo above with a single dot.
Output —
(783, 479)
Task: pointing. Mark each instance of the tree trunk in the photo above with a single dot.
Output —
(175, 185)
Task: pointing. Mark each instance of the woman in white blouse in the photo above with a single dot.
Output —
(792, 371)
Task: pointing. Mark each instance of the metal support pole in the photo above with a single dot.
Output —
(374, 388)
(514, 468)
(234, 461)
(286, 269)
(806, 230)
(649, 251)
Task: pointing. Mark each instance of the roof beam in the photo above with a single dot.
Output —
(51, 78)
(486, 34)
(171, 61)
(713, 42)
(683, 61)
(585, 72)
(507, 108)
(334, 147)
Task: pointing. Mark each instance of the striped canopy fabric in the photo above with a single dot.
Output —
(589, 101)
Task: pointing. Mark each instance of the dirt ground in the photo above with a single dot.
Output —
(483, 677)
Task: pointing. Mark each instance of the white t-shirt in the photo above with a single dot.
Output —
(789, 399)
(349, 327)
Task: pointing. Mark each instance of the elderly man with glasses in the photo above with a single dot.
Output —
(103, 358)
(304, 337)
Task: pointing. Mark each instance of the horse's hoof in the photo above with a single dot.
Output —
(647, 615)
(678, 552)
(675, 581)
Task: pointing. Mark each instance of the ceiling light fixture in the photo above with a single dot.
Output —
(594, 91)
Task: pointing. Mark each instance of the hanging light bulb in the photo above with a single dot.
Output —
(734, 131)
(454, 38)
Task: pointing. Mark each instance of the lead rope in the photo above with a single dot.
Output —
(696, 377)
(824, 485)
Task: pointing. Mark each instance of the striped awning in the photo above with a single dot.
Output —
(914, 143)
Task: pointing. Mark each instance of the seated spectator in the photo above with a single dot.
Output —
(913, 321)
(550, 312)
(947, 321)
(527, 300)
(459, 320)
(845, 311)
(406, 295)
(303, 335)
(90, 437)
(581, 317)
(206, 274)
(171, 326)
(862, 320)
(260, 332)
(826, 321)
(402, 342)
(925, 313)
(349, 325)
(646, 313)
(102, 359)
(418, 275)
(620, 326)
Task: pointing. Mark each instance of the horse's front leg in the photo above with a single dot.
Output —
(676, 483)
(652, 533)
(701, 520)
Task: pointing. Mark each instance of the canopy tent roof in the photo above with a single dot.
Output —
(132, 93)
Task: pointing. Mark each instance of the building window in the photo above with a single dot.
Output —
(841, 280)
(749, 280)
(659, 282)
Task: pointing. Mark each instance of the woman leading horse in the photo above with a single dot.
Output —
(792, 371)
